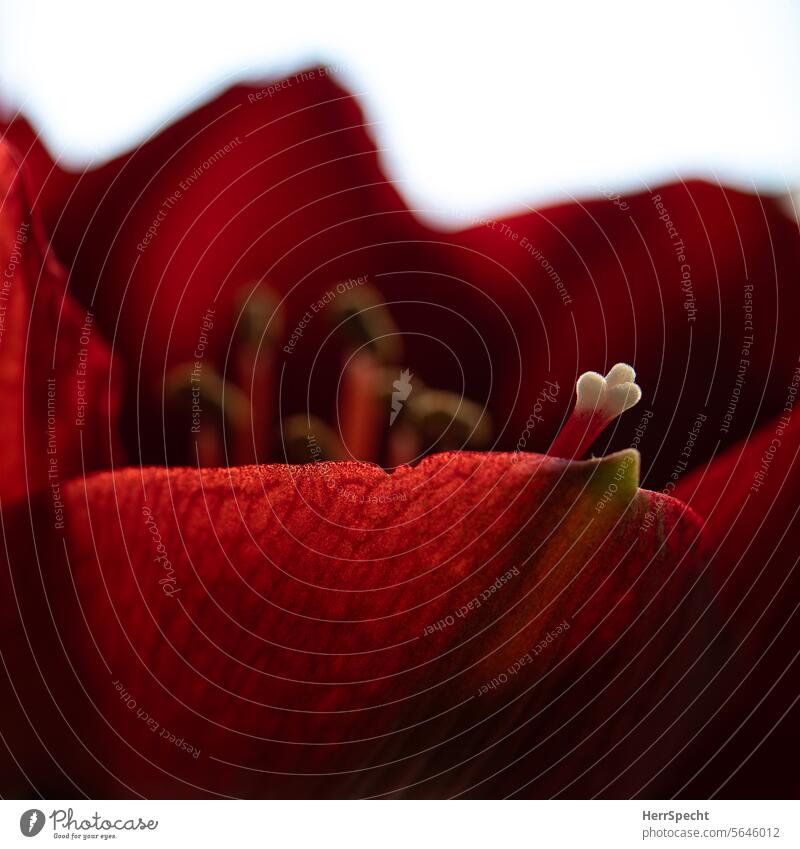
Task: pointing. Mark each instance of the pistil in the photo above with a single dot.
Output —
(599, 401)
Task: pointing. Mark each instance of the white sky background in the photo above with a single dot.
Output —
(481, 108)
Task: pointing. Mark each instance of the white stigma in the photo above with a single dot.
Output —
(608, 396)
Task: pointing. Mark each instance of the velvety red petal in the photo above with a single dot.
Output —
(58, 402)
(480, 624)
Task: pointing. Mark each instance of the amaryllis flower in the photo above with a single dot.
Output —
(377, 525)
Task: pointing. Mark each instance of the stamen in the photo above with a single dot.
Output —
(445, 421)
(361, 414)
(307, 439)
(210, 451)
(403, 446)
(599, 401)
(373, 341)
(365, 322)
(211, 405)
(258, 330)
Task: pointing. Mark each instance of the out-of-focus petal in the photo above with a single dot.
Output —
(750, 500)
(58, 402)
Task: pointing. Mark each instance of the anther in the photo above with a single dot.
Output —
(307, 439)
(446, 421)
(258, 330)
(216, 409)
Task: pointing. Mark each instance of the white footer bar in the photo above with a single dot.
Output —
(402, 825)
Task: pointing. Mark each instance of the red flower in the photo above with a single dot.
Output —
(479, 623)
(289, 188)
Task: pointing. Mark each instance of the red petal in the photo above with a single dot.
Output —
(749, 497)
(305, 633)
(54, 365)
